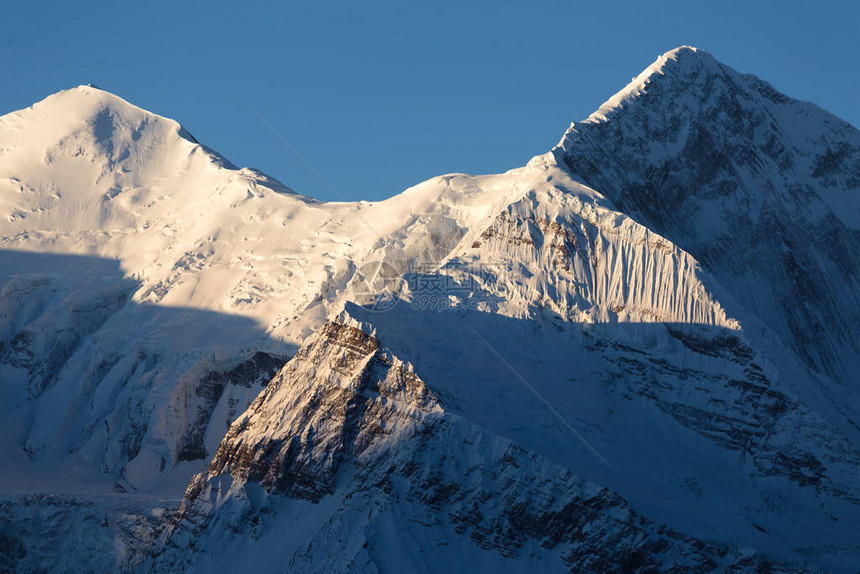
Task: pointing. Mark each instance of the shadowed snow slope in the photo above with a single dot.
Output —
(763, 190)
(638, 351)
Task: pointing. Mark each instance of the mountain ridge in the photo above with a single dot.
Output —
(621, 277)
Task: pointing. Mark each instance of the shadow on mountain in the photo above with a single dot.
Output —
(129, 389)
(691, 400)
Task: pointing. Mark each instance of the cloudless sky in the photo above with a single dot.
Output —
(378, 96)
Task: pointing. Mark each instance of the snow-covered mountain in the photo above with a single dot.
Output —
(637, 352)
(184, 267)
(760, 188)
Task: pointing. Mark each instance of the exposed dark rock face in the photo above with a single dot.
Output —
(254, 372)
(337, 421)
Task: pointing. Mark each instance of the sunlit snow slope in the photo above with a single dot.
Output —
(84, 173)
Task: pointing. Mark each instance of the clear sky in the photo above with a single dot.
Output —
(378, 96)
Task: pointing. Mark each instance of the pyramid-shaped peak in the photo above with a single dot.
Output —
(685, 51)
(683, 48)
(683, 54)
(681, 64)
(683, 59)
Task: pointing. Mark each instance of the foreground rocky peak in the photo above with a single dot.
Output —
(349, 427)
(340, 395)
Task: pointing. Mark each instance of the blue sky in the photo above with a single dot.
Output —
(379, 96)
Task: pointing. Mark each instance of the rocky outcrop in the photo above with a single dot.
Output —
(253, 374)
(352, 429)
(350, 396)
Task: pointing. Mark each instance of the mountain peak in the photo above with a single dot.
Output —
(681, 62)
(683, 51)
(86, 96)
(684, 59)
(87, 109)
